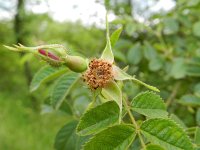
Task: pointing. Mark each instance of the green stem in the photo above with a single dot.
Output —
(107, 26)
(146, 85)
(173, 94)
(91, 105)
(134, 123)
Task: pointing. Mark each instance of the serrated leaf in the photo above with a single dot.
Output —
(197, 136)
(190, 100)
(178, 121)
(115, 36)
(112, 92)
(98, 118)
(118, 137)
(149, 104)
(61, 88)
(66, 138)
(153, 147)
(45, 74)
(166, 133)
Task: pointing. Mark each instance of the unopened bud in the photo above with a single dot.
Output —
(48, 54)
(75, 63)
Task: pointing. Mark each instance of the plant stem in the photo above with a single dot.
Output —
(134, 122)
(130, 114)
(91, 104)
(146, 85)
(173, 94)
(107, 26)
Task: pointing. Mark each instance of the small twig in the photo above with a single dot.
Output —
(173, 94)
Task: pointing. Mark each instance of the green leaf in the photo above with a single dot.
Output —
(66, 108)
(118, 137)
(190, 100)
(98, 118)
(193, 70)
(80, 104)
(154, 147)
(134, 55)
(196, 28)
(171, 26)
(120, 55)
(45, 74)
(61, 88)
(115, 36)
(197, 136)
(156, 64)
(178, 69)
(149, 104)
(107, 52)
(130, 28)
(66, 137)
(112, 92)
(149, 51)
(198, 116)
(122, 75)
(178, 121)
(197, 89)
(166, 133)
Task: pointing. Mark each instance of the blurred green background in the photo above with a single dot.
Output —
(160, 43)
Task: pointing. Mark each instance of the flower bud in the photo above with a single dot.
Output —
(75, 63)
(48, 54)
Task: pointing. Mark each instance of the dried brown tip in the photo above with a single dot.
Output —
(98, 74)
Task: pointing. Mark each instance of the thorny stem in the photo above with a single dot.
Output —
(134, 122)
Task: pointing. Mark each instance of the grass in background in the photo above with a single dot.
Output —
(21, 128)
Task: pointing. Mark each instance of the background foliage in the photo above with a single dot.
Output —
(163, 50)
